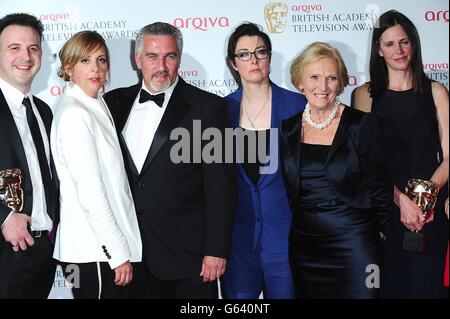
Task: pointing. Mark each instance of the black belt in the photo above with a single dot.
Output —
(38, 233)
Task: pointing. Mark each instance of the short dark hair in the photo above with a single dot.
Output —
(22, 19)
(245, 29)
(379, 77)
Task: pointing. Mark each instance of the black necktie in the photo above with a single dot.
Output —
(40, 150)
(145, 96)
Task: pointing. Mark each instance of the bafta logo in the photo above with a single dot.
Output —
(11, 192)
(275, 14)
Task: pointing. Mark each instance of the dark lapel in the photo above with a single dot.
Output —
(234, 114)
(127, 155)
(122, 107)
(9, 126)
(341, 133)
(234, 108)
(290, 149)
(174, 112)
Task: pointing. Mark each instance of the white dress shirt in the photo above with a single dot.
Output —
(98, 217)
(142, 124)
(40, 220)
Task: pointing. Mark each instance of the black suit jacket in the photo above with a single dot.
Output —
(185, 211)
(356, 166)
(12, 155)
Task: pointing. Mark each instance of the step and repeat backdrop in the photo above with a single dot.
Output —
(206, 26)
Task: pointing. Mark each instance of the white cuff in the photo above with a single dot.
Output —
(6, 219)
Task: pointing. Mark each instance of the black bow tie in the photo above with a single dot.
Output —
(145, 96)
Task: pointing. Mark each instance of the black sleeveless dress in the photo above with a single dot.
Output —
(334, 247)
(413, 147)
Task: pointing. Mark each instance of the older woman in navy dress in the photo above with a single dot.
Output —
(334, 174)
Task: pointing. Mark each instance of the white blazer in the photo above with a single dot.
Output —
(98, 218)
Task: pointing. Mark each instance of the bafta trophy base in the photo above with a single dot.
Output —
(417, 242)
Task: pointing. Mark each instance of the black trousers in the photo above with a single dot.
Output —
(146, 285)
(92, 280)
(27, 274)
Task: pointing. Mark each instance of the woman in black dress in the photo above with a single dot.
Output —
(337, 194)
(414, 111)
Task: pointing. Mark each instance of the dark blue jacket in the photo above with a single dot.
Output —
(263, 214)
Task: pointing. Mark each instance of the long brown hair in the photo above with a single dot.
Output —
(379, 77)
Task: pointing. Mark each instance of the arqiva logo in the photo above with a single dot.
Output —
(55, 17)
(187, 73)
(202, 24)
(436, 15)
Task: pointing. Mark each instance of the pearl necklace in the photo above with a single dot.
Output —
(252, 123)
(324, 124)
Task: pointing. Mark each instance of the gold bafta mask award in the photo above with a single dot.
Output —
(11, 192)
(424, 193)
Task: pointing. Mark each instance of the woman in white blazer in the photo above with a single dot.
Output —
(98, 230)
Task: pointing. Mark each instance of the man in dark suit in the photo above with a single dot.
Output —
(185, 210)
(26, 265)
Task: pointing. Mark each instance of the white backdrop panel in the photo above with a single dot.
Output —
(206, 25)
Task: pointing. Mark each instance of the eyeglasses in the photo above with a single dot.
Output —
(247, 55)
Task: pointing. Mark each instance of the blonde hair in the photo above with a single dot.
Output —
(314, 52)
(77, 48)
